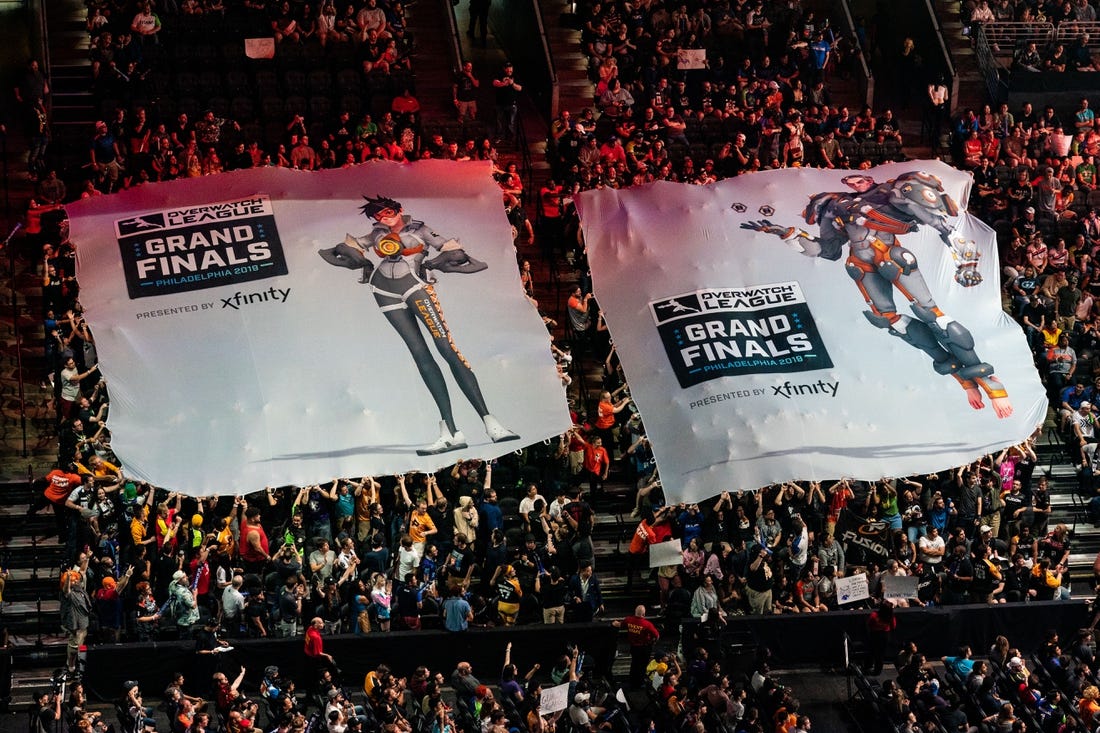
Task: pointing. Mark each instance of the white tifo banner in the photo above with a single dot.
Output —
(753, 363)
(239, 355)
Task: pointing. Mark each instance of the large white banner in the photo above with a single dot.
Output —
(810, 324)
(272, 327)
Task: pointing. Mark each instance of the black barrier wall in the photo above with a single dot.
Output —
(403, 651)
(815, 639)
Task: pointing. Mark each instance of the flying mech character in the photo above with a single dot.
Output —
(403, 287)
(869, 219)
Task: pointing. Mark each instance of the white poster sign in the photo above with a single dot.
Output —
(666, 553)
(273, 327)
(899, 587)
(807, 324)
(691, 58)
(555, 698)
(852, 588)
(259, 48)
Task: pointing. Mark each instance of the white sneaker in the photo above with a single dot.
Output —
(497, 432)
(446, 442)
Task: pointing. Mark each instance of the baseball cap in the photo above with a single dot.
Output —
(1029, 210)
(1086, 403)
(985, 528)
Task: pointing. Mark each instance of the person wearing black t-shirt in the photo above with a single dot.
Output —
(49, 712)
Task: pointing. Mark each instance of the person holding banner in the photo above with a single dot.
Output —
(869, 220)
(405, 293)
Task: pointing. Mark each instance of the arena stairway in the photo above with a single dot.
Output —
(1068, 508)
(30, 612)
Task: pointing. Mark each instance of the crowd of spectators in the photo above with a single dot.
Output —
(684, 692)
(761, 99)
(372, 554)
(1053, 688)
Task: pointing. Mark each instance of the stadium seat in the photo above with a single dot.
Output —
(219, 105)
(266, 83)
(850, 149)
(694, 130)
(207, 56)
(294, 83)
(160, 82)
(295, 105)
(320, 83)
(871, 150)
(242, 109)
(349, 81)
(186, 83)
(190, 106)
(237, 82)
(352, 104)
(713, 129)
(320, 109)
(274, 134)
(211, 83)
(891, 151)
(271, 108)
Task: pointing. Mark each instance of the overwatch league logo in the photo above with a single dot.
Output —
(758, 329)
(179, 250)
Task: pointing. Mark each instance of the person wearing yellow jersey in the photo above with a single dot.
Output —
(509, 594)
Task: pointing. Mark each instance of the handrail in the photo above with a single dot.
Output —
(1070, 29)
(989, 67)
(455, 46)
(938, 31)
(939, 37)
(544, 40)
(45, 30)
(1010, 35)
(865, 70)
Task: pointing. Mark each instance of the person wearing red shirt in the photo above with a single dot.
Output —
(316, 658)
(641, 635)
(405, 103)
(254, 551)
(596, 465)
(880, 624)
(199, 568)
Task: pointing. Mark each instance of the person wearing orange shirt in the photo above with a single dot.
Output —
(606, 411)
(653, 529)
(421, 526)
(597, 463)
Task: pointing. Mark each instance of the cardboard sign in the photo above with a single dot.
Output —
(665, 553)
(852, 589)
(691, 58)
(899, 587)
(555, 699)
(259, 48)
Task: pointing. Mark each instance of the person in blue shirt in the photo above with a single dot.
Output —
(962, 665)
(457, 614)
(691, 524)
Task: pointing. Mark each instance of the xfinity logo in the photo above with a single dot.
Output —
(790, 391)
(241, 299)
